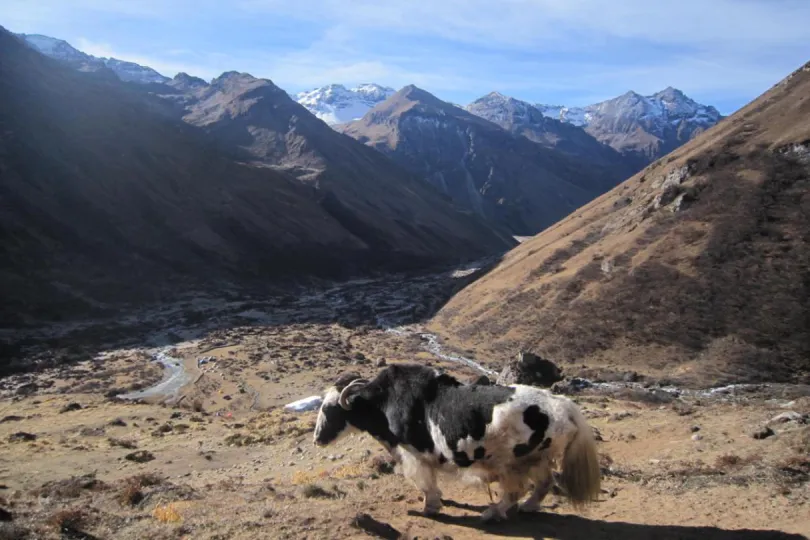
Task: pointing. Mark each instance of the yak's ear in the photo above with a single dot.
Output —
(447, 380)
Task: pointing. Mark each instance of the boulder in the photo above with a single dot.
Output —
(481, 380)
(763, 433)
(529, 368)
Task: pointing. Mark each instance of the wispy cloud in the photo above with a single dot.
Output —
(564, 51)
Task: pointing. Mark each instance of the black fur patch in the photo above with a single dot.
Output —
(335, 423)
(442, 459)
(479, 453)
(462, 459)
(538, 422)
(465, 411)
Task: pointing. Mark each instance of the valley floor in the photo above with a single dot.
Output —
(221, 458)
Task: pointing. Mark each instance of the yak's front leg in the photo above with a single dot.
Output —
(424, 477)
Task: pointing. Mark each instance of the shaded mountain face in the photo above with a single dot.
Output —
(381, 203)
(108, 198)
(61, 50)
(507, 179)
(522, 118)
(696, 269)
(336, 104)
(642, 128)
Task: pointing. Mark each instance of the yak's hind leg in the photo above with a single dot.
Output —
(542, 485)
(424, 476)
(512, 487)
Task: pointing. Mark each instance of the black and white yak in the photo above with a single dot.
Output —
(430, 422)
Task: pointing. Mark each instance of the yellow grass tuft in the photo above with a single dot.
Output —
(352, 470)
(167, 513)
(307, 477)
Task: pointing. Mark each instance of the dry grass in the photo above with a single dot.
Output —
(70, 488)
(68, 520)
(167, 513)
(307, 477)
(733, 461)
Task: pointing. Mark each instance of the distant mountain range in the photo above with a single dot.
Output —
(504, 177)
(640, 128)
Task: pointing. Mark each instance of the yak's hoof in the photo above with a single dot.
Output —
(432, 507)
(492, 514)
(529, 506)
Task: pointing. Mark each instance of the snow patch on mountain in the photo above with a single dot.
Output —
(669, 106)
(336, 104)
(61, 50)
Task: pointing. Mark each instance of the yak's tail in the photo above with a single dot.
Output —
(581, 476)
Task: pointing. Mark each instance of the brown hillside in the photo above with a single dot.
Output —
(697, 268)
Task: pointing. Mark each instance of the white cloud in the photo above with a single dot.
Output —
(534, 22)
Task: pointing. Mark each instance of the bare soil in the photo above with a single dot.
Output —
(223, 459)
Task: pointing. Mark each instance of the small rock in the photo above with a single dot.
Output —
(695, 429)
(118, 422)
(71, 407)
(763, 433)
(11, 418)
(227, 397)
(22, 436)
(697, 437)
(141, 456)
(176, 415)
(597, 435)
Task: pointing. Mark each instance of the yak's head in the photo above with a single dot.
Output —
(334, 417)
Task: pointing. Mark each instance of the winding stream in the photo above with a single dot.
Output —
(175, 377)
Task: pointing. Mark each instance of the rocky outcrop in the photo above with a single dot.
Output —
(529, 368)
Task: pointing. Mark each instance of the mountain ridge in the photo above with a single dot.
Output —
(482, 167)
(63, 51)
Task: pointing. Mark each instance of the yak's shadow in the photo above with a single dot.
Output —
(572, 527)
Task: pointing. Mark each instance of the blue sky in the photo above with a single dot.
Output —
(572, 52)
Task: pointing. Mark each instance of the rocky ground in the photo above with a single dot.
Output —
(222, 458)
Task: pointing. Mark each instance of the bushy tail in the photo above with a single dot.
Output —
(581, 476)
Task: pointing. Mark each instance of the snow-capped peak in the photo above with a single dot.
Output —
(667, 106)
(61, 50)
(336, 104)
(499, 108)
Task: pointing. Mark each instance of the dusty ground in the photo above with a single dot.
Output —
(223, 459)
